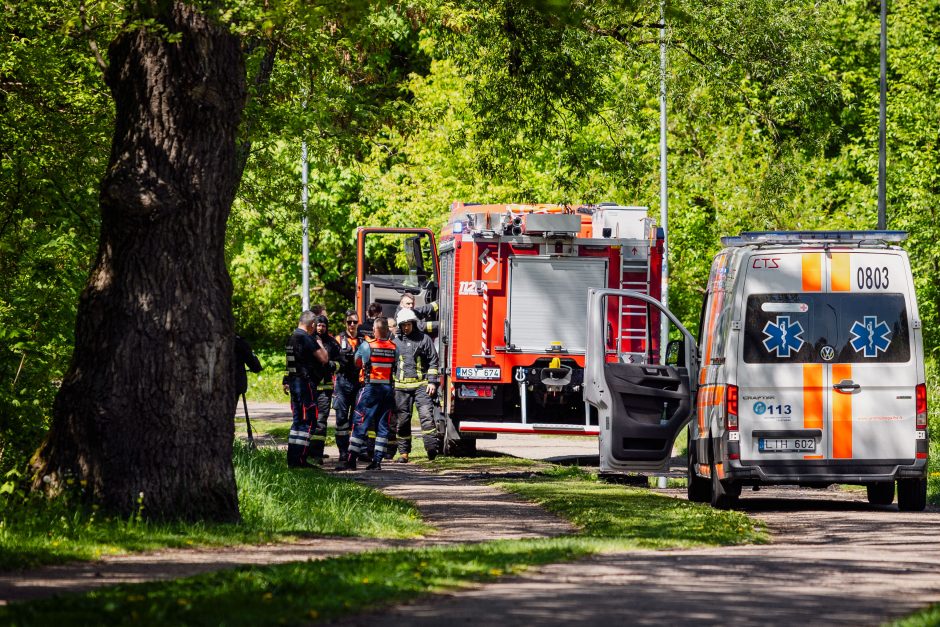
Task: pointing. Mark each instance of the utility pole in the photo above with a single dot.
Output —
(305, 290)
(882, 121)
(663, 189)
(663, 193)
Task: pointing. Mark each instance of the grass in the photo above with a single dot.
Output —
(276, 504)
(927, 617)
(609, 517)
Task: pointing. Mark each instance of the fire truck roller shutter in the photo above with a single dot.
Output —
(548, 298)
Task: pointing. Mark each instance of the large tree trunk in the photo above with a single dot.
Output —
(146, 409)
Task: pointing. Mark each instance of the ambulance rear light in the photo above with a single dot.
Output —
(921, 396)
(797, 238)
(731, 408)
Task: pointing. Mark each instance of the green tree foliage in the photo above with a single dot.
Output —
(55, 118)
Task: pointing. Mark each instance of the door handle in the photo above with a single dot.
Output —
(846, 385)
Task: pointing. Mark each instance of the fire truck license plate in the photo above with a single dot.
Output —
(780, 445)
(477, 373)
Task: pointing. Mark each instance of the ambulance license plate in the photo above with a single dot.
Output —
(786, 445)
(478, 373)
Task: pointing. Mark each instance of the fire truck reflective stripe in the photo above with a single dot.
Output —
(485, 315)
(812, 272)
(840, 272)
(812, 396)
(841, 415)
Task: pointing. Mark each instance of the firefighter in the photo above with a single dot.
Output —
(426, 314)
(324, 390)
(305, 358)
(347, 384)
(377, 357)
(416, 378)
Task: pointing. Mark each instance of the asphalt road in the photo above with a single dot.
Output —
(834, 559)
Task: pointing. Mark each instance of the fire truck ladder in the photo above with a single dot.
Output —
(634, 316)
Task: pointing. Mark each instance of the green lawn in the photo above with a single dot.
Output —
(276, 504)
(928, 617)
(610, 518)
(265, 386)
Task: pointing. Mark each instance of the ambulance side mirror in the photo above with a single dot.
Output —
(675, 353)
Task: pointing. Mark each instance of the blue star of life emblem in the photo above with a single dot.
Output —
(783, 336)
(870, 336)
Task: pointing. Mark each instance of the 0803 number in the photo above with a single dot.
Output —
(872, 278)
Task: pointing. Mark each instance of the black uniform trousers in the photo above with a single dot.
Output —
(405, 400)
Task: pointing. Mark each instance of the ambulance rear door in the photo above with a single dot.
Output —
(826, 369)
(641, 407)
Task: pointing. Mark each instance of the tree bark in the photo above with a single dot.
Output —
(145, 414)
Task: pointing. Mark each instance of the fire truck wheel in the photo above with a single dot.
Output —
(881, 493)
(699, 489)
(464, 447)
(912, 495)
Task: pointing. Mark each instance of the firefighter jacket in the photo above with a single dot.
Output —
(332, 366)
(416, 365)
(377, 359)
(347, 356)
(301, 357)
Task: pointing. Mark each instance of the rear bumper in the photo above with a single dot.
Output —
(474, 426)
(826, 471)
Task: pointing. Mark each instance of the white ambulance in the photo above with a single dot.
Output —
(809, 370)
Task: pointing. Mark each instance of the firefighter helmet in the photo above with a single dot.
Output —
(406, 315)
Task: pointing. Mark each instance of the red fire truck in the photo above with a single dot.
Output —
(511, 283)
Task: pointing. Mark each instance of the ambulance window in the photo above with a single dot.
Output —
(826, 328)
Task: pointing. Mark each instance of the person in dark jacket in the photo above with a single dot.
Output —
(348, 382)
(372, 312)
(305, 358)
(416, 378)
(244, 358)
(324, 390)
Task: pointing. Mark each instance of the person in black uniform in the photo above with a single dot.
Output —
(348, 382)
(305, 359)
(372, 311)
(324, 391)
(426, 314)
(244, 358)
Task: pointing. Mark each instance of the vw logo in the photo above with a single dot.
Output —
(827, 352)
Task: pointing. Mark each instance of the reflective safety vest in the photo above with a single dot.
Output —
(381, 361)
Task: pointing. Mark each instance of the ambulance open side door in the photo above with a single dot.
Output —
(641, 407)
(392, 262)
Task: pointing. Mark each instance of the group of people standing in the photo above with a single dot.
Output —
(372, 374)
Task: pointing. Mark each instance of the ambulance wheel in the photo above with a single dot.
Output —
(699, 489)
(881, 493)
(912, 495)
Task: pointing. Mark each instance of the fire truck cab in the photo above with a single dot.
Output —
(511, 283)
(811, 373)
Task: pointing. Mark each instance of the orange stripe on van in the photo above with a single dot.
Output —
(841, 414)
(813, 457)
(812, 396)
(812, 272)
(841, 272)
(708, 396)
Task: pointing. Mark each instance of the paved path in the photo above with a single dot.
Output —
(459, 510)
(834, 560)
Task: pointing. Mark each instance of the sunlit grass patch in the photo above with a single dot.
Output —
(276, 504)
(636, 518)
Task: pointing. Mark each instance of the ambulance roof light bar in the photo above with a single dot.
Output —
(796, 238)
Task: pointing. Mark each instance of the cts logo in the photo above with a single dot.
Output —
(765, 263)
